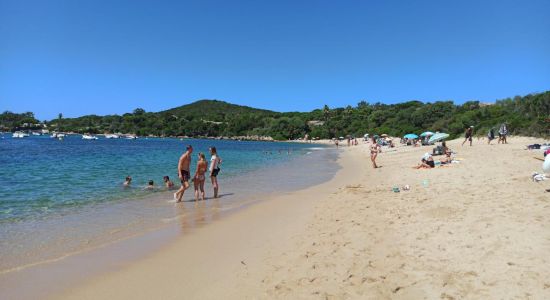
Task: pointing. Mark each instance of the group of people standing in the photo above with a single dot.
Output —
(502, 134)
(199, 177)
(184, 174)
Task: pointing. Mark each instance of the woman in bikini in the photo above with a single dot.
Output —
(199, 178)
(374, 150)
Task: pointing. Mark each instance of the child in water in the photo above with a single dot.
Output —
(150, 185)
(167, 182)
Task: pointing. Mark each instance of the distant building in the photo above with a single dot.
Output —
(315, 123)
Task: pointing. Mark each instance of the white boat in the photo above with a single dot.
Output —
(112, 136)
(36, 133)
(19, 135)
(89, 137)
(131, 137)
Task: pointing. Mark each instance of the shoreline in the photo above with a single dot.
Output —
(475, 229)
(164, 234)
(224, 246)
(71, 229)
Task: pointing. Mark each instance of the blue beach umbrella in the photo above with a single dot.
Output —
(410, 136)
(438, 137)
(426, 133)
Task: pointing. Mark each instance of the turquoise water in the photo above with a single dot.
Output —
(60, 197)
(42, 177)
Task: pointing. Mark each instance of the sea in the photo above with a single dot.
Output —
(59, 198)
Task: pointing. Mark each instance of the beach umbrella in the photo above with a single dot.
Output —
(426, 133)
(384, 135)
(438, 137)
(410, 136)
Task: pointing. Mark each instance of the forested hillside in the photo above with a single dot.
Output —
(527, 115)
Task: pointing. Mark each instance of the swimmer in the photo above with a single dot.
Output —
(167, 182)
(127, 181)
(150, 185)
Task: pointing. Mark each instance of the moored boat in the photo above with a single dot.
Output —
(89, 137)
(19, 135)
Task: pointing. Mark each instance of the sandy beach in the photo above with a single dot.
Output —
(472, 230)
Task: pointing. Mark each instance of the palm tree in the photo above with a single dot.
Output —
(326, 113)
(59, 118)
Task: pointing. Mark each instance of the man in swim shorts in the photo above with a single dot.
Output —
(183, 172)
(468, 135)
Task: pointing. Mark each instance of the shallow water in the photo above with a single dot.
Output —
(64, 197)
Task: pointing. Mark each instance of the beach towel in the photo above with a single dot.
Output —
(538, 177)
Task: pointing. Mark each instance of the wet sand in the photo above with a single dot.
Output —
(475, 230)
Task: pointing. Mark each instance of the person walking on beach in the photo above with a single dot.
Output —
(502, 133)
(374, 150)
(468, 135)
(198, 178)
(183, 173)
(490, 136)
(215, 162)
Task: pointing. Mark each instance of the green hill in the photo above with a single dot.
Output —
(214, 110)
(525, 115)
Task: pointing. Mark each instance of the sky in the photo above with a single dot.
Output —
(80, 57)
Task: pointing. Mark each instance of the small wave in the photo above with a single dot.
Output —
(169, 220)
(316, 148)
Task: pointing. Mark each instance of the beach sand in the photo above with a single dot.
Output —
(473, 230)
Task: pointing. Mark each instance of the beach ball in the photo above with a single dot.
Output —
(546, 164)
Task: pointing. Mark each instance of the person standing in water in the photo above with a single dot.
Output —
(215, 162)
(183, 172)
(198, 178)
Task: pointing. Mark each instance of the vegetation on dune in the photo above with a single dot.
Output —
(527, 115)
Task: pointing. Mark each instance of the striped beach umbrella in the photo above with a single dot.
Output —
(438, 137)
(426, 133)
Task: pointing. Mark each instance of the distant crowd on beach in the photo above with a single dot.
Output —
(184, 174)
(427, 138)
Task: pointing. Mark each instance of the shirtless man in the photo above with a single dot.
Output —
(468, 135)
(183, 173)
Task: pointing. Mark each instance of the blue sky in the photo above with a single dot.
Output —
(105, 57)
